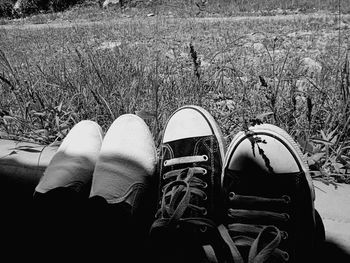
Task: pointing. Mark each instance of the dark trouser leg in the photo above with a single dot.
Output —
(68, 226)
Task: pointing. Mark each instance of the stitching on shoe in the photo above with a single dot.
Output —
(167, 147)
(196, 146)
(209, 148)
(137, 186)
(203, 140)
(212, 181)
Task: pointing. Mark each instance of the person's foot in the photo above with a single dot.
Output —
(58, 215)
(126, 162)
(270, 196)
(191, 157)
(73, 164)
(119, 198)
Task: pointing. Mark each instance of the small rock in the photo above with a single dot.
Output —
(258, 46)
(205, 64)
(109, 45)
(310, 67)
(170, 55)
(109, 2)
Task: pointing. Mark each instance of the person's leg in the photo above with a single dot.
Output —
(119, 203)
(191, 157)
(270, 196)
(59, 199)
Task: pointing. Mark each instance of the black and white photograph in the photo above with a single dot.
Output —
(175, 131)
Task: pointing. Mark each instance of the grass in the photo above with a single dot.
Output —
(292, 72)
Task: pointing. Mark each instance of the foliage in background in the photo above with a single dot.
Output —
(6, 8)
(184, 7)
(29, 7)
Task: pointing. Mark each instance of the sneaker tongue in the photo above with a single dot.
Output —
(197, 146)
(185, 147)
(178, 193)
(261, 184)
(189, 147)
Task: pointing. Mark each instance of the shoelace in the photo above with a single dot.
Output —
(181, 199)
(268, 237)
(179, 193)
(185, 186)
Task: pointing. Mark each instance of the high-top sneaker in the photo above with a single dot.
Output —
(270, 196)
(190, 166)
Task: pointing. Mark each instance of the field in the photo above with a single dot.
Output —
(286, 68)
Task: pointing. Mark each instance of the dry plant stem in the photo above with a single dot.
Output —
(156, 96)
(111, 114)
(339, 29)
(196, 70)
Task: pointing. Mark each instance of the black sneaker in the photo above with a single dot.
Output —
(270, 196)
(190, 165)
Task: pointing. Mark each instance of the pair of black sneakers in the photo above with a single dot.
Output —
(253, 202)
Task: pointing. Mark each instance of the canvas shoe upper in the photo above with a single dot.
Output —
(127, 159)
(73, 164)
(270, 197)
(190, 166)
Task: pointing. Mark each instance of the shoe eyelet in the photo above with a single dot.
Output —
(203, 229)
(205, 171)
(165, 163)
(205, 157)
(204, 212)
(231, 195)
(284, 235)
(286, 216)
(205, 185)
(285, 256)
(205, 197)
(286, 198)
